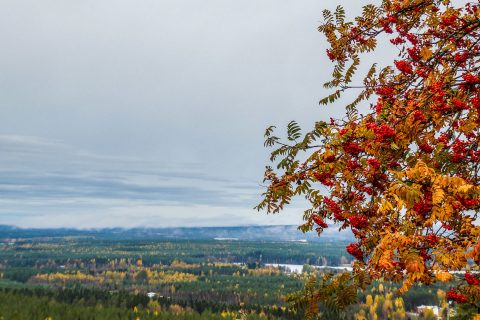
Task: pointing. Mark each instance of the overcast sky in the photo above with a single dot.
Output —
(151, 112)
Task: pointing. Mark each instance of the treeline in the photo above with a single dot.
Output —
(212, 288)
(49, 254)
(82, 304)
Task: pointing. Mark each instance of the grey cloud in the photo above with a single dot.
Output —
(122, 107)
(21, 186)
(125, 181)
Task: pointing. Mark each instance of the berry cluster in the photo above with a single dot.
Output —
(319, 221)
(374, 163)
(455, 296)
(354, 250)
(432, 239)
(332, 206)
(424, 207)
(425, 147)
(358, 222)
(404, 66)
(324, 178)
(471, 279)
(352, 148)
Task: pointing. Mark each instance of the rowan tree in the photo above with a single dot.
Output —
(401, 168)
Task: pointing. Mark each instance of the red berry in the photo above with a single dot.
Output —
(319, 221)
(354, 250)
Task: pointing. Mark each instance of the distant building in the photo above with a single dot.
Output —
(151, 295)
(435, 309)
(412, 315)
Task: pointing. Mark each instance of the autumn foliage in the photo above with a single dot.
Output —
(401, 169)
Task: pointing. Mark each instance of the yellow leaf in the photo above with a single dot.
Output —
(465, 188)
(414, 263)
(425, 53)
(443, 276)
(386, 261)
(407, 284)
(437, 196)
(385, 206)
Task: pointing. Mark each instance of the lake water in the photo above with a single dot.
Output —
(297, 268)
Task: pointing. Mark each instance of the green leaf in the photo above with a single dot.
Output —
(339, 15)
(293, 131)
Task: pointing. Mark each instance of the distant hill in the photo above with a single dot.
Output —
(271, 233)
